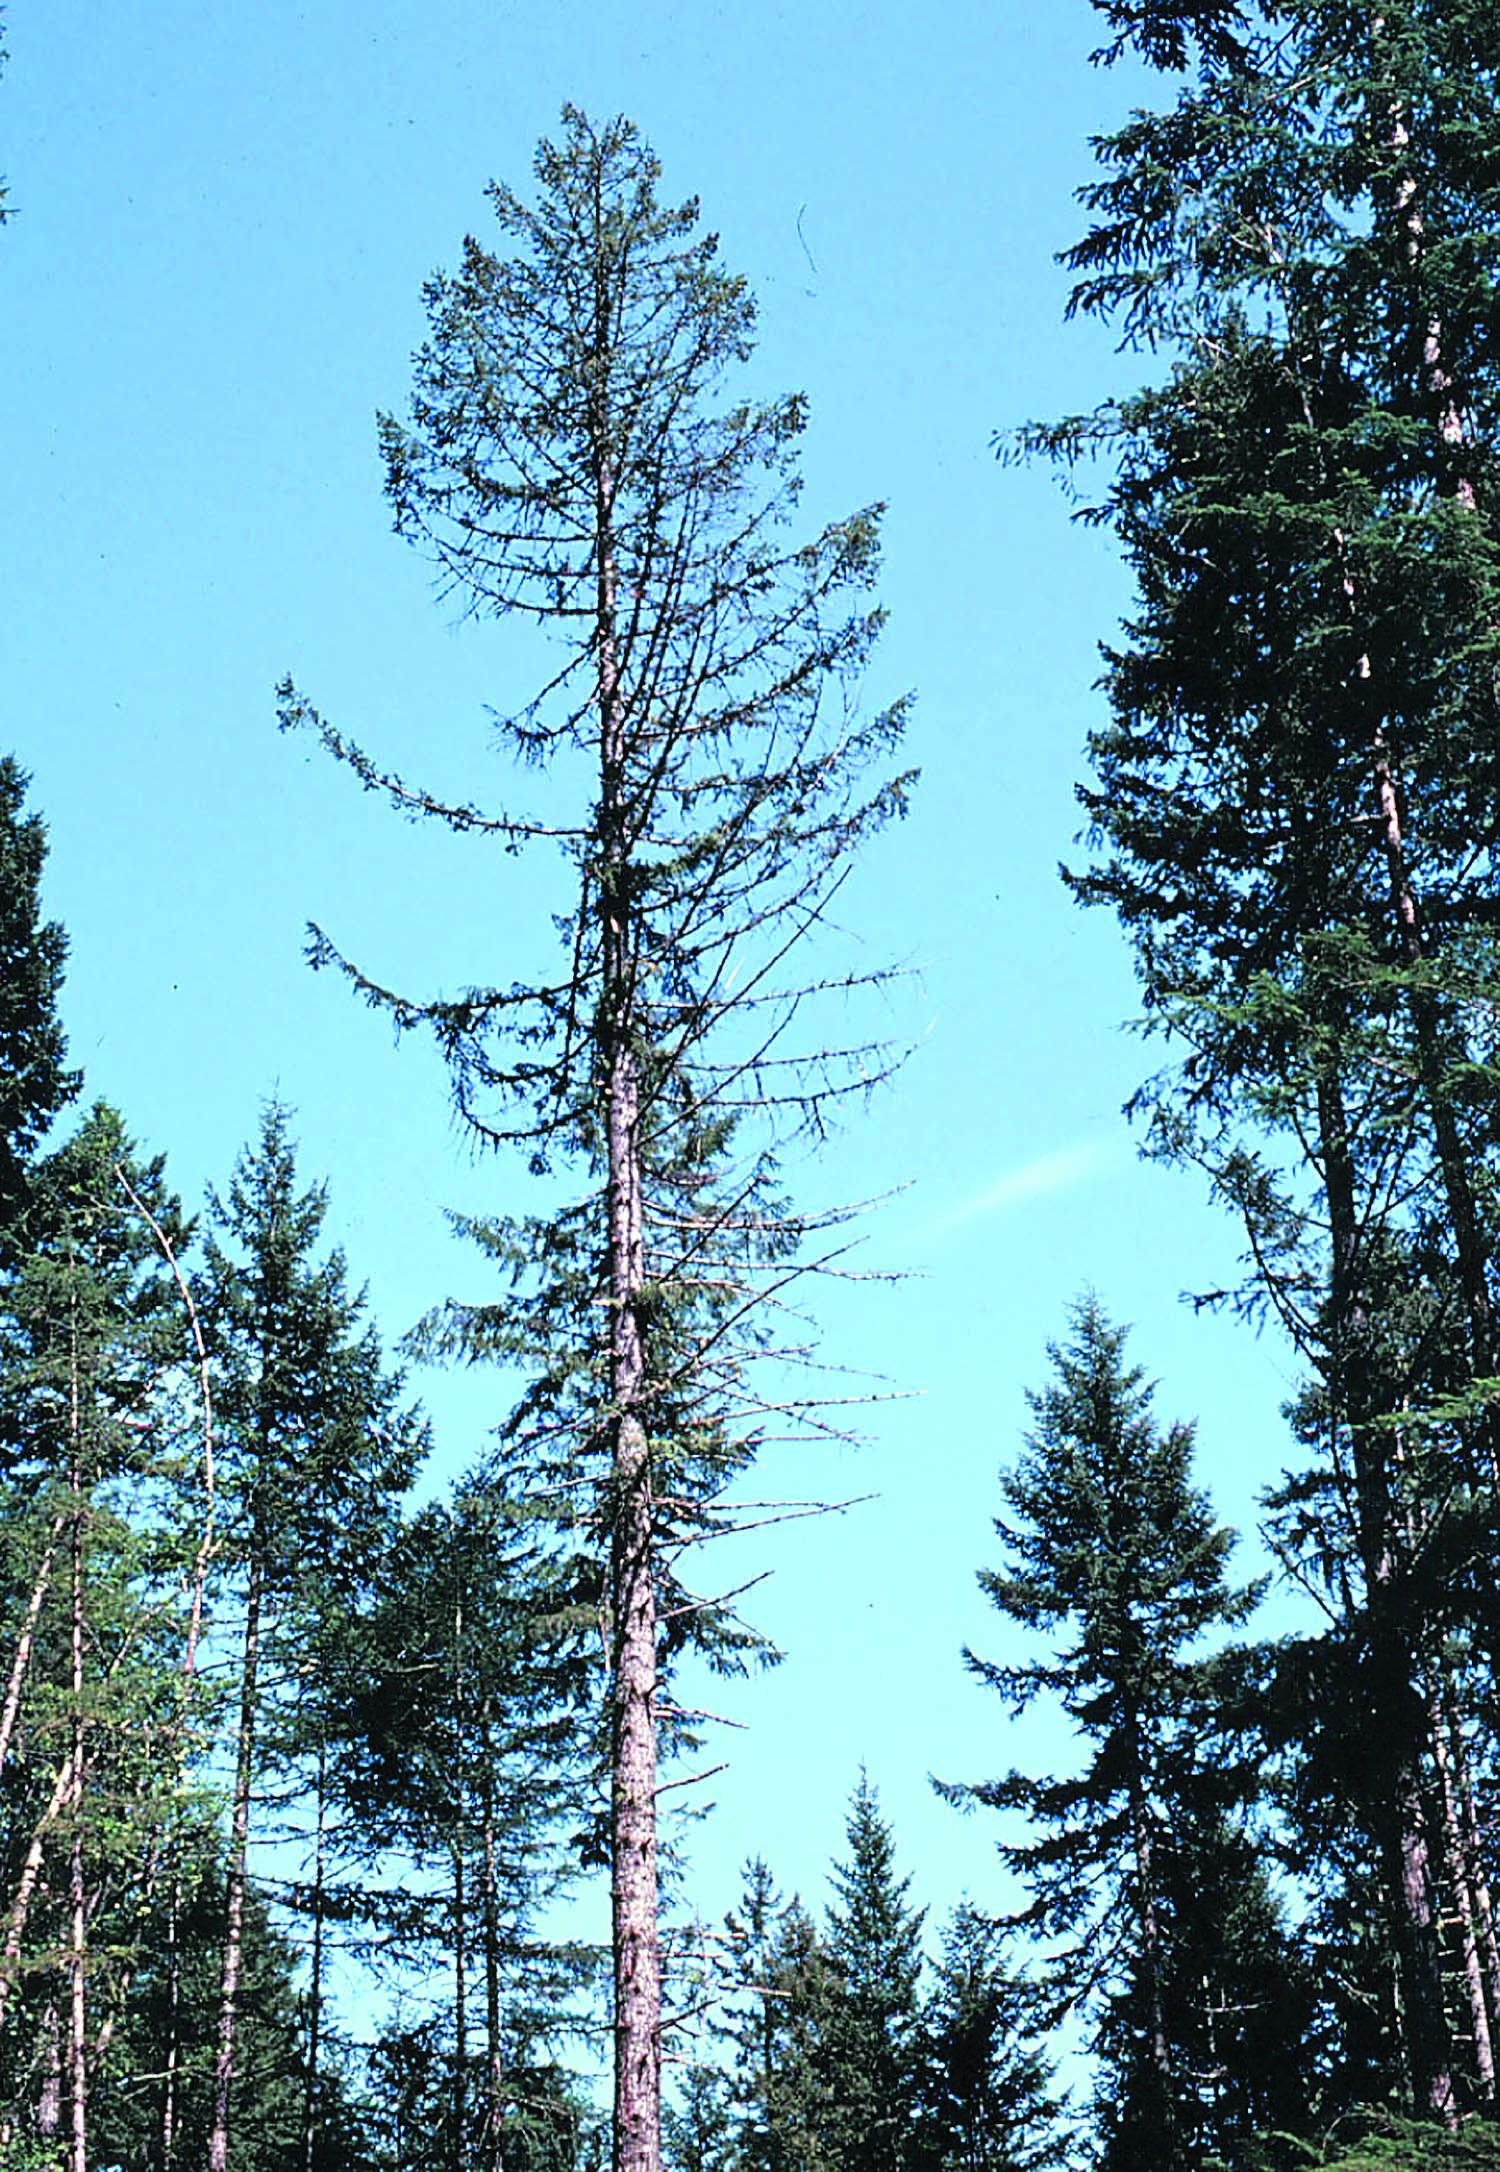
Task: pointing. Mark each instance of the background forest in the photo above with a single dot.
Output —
(379, 1624)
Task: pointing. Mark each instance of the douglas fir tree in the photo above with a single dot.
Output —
(1114, 1565)
(1295, 809)
(578, 454)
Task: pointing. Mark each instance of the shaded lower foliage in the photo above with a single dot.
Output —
(1370, 2140)
(152, 2106)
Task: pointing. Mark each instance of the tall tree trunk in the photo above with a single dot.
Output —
(173, 2055)
(1429, 2048)
(1456, 1858)
(20, 1664)
(49, 2103)
(460, 2106)
(239, 1846)
(78, 2092)
(1468, 1813)
(310, 2084)
(1397, 1803)
(20, 1907)
(636, 1941)
(494, 2061)
(198, 1585)
(78, 2067)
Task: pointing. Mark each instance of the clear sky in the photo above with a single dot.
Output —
(224, 216)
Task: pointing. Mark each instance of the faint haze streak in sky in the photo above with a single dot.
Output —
(1032, 1180)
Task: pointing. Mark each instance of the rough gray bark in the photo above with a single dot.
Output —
(632, 1538)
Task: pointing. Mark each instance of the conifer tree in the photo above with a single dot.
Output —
(1295, 801)
(92, 1707)
(315, 1452)
(1112, 1558)
(34, 1080)
(987, 2103)
(579, 453)
(781, 1985)
(697, 2128)
(868, 2057)
(453, 1750)
(175, 2000)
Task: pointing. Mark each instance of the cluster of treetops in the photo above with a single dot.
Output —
(226, 1624)
(1263, 1887)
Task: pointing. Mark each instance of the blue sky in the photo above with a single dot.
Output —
(224, 217)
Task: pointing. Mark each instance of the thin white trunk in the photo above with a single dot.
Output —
(78, 2088)
(239, 1845)
(1457, 1855)
(26, 1642)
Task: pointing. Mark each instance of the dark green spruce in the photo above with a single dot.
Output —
(316, 1450)
(1294, 811)
(453, 1750)
(1114, 1571)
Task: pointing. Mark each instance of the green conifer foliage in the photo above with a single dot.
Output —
(780, 1991)
(868, 2061)
(1377, 2141)
(315, 1452)
(454, 1752)
(1294, 809)
(1167, 32)
(34, 1080)
(1114, 1563)
(986, 2096)
(580, 453)
(175, 2003)
(92, 1708)
(697, 2127)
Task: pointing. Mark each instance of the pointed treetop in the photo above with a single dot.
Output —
(873, 1935)
(34, 1080)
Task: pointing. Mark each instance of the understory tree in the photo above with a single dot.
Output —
(779, 1989)
(175, 2002)
(868, 2064)
(838, 2049)
(452, 1740)
(315, 1453)
(1114, 1566)
(580, 454)
(987, 2097)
